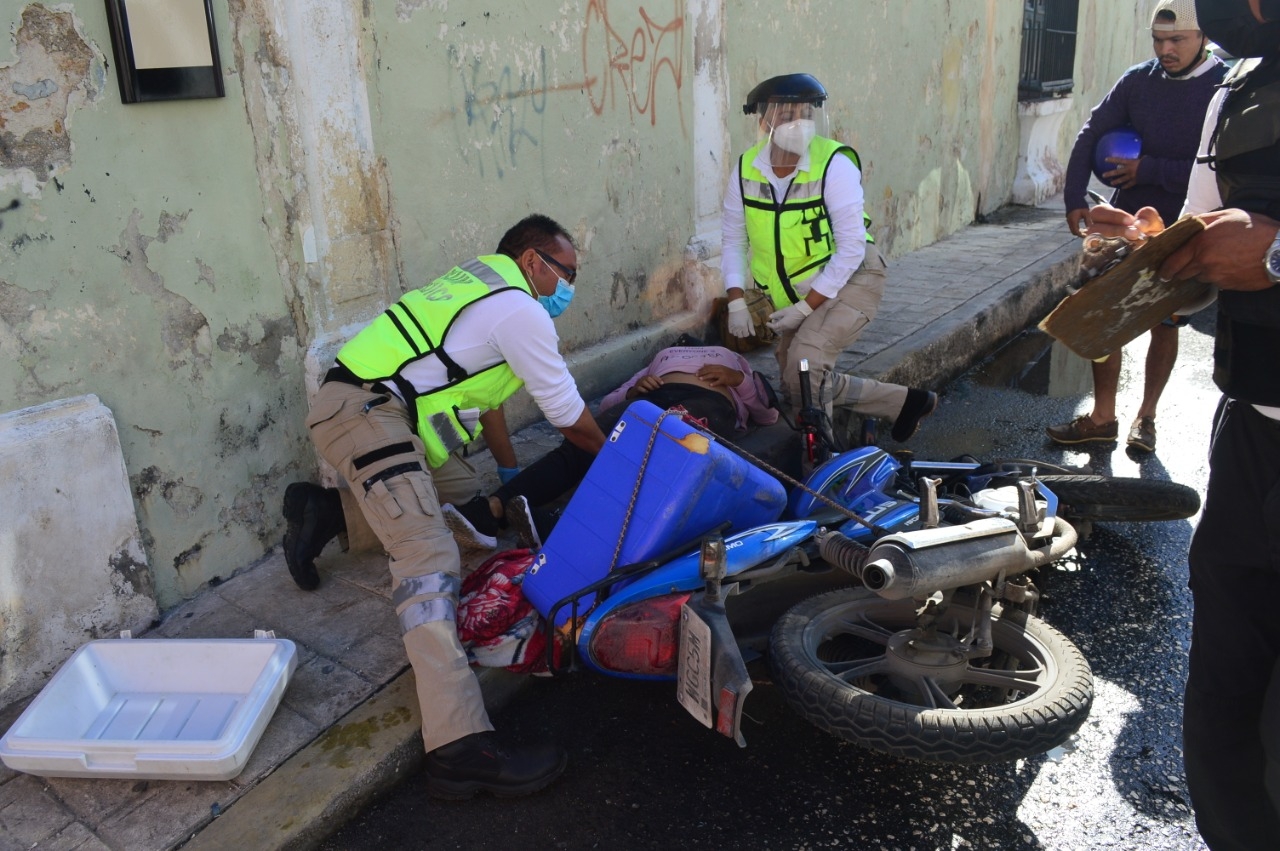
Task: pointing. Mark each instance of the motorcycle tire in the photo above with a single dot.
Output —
(830, 656)
(1104, 498)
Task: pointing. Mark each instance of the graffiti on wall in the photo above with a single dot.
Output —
(633, 68)
(503, 113)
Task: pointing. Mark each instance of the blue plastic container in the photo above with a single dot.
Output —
(689, 485)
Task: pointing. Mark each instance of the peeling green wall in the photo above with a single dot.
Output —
(137, 269)
(183, 260)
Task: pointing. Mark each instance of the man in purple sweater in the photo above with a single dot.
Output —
(1164, 99)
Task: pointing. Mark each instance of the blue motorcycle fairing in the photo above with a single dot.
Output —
(850, 478)
(742, 551)
(889, 514)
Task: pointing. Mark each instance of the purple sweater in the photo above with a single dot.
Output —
(1168, 115)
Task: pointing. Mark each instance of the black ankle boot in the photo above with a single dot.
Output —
(313, 518)
(919, 404)
(479, 763)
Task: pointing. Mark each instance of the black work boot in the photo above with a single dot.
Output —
(919, 404)
(478, 763)
(313, 518)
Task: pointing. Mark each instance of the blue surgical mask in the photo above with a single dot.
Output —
(559, 300)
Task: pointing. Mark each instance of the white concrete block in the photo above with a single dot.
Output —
(72, 566)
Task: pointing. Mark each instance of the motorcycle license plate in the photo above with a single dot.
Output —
(693, 670)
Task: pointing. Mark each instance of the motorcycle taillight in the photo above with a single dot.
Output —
(641, 638)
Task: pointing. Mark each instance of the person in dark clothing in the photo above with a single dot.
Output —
(1164, 100)
(1231, 710)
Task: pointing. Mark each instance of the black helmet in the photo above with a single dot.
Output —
(791, 88)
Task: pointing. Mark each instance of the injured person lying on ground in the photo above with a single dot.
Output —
(712, 383)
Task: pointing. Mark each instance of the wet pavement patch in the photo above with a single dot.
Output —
(1021, 364)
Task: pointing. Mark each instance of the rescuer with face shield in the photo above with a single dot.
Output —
(794, 227)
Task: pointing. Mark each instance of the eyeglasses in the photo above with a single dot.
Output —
(569, 274)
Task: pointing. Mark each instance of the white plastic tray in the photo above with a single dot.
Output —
(188, 709)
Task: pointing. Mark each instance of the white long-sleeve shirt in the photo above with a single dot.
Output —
(1202, 189)
(844, 202)
(508, 326)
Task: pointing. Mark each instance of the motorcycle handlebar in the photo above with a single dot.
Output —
(806, 389)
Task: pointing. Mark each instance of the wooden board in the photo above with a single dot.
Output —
(1126, 301)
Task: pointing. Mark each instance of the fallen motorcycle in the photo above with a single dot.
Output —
(933, 652)
(940, 655)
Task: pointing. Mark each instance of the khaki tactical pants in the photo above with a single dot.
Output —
(368, 439)
(824, 335)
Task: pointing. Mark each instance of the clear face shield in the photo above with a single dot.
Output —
(791, 126)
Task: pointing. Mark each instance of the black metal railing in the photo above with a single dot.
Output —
(1048, 48)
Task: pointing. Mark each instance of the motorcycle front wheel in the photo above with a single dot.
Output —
(847, 663)
(1104, 498)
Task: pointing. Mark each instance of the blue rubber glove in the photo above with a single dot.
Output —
(506, 474)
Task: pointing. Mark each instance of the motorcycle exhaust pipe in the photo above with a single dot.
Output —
(918, 563)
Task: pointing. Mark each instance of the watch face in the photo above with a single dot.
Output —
(1273, 263)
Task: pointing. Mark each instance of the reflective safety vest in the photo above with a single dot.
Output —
(791, 238)
(417, 326)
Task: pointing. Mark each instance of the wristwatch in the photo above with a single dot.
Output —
(1272, 261)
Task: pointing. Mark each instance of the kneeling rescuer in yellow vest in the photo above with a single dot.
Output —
(408, 393)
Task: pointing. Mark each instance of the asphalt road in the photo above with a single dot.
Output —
(643, 774)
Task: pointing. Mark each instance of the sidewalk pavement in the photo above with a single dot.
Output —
(348, 726)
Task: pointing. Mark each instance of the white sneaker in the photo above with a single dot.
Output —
(464, 533)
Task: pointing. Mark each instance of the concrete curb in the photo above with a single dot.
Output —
(331, 780)
(935, 356)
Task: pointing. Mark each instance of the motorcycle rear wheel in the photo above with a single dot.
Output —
(1104, 498)
(830, 656)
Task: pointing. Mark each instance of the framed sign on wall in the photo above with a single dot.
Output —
(165, 49)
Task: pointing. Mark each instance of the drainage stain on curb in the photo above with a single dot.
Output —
(343, 738)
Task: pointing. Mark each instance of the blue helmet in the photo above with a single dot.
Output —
(1122, 143)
